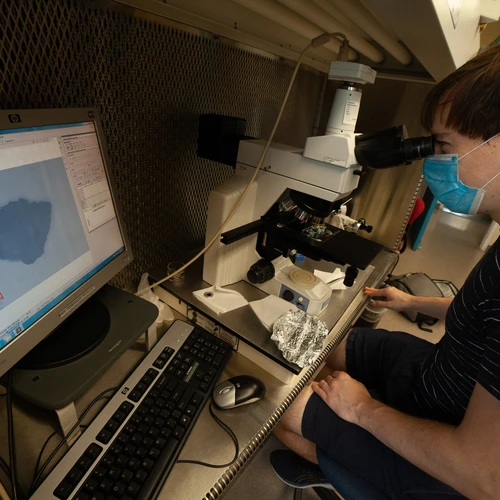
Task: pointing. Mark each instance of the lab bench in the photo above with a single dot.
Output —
(207, 442)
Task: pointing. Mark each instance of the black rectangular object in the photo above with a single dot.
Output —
(219, 137)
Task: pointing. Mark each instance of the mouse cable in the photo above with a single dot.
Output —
(11, 439)
(64, 440)
(6, 470)
(231, 434)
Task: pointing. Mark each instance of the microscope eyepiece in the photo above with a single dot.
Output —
(418, 147)
(390, 147)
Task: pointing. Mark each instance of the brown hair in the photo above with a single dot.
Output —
(473, 95)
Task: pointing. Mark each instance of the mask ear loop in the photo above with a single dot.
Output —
(477, 147)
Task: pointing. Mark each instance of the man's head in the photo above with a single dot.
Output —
(463, 111)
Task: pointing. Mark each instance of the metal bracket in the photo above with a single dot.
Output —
(68, 417)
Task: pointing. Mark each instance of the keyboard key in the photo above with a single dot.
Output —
(108, 460)
(126, 407)
(186, 398)
(196, 400)
(112, 426)
(126, 476)
(160, 443)
(91, 485)
(154, 453)
(104, 436)
(133, 463)
(130, 449)
(114, 472)
(141, 452)
(84, 463)
(74, 476)
(64, 490)
(147, 464)
(218, 359)
(159, 363)
(148, 442)
(119, 417)
(98, 495)
(166, 432)
(178, 432)
(116, 448)
(106, 484)
(93, 451)
(153, 393)
(155, 411)
(122, 460)
(136, 439)
(133, 489)
(140, 476)
(119, 489)
(190, 410)
(100, 471)
(154, 432)
(185, 421)
(135, 395)
(129, 428)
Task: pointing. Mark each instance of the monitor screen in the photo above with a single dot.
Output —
(59, 223)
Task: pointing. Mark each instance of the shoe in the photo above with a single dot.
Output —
(296, 471)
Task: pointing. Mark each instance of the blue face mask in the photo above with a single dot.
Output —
(442, 177)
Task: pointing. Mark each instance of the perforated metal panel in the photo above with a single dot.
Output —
(150, 82)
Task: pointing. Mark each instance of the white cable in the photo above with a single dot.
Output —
(259, 165)
(3, 494)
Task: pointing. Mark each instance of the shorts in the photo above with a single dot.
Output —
(387, 363)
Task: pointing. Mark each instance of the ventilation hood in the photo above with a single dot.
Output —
(420, 40)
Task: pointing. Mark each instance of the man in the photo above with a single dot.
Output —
(434, 430)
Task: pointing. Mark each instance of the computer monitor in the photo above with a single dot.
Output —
(62, 236)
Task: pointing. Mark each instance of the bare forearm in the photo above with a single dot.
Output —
(431, 446)
(432, 306)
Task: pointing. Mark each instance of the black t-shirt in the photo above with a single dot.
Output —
(469, 351)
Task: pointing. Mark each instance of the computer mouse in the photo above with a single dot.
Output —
(238, 391)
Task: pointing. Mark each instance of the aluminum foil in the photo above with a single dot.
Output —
(299, 336)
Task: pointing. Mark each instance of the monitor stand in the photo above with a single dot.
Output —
(73, 358)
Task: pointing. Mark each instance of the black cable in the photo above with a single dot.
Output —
(40, 455)
(231, 434)
(64, 440)
(6, 469)
(11, 438)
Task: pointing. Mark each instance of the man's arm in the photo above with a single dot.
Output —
(395, 299)
(464, 457)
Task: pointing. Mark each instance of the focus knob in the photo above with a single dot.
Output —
(260, 272)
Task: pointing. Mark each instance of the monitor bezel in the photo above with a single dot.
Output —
(27, 340)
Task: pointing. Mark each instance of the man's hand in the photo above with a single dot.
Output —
(344, 395)
(393, 298)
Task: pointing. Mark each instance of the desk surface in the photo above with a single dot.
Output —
(207, 442)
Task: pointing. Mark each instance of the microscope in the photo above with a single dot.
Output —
(284, 212)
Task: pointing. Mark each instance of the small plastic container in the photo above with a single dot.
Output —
(172, 267)
(371, 316)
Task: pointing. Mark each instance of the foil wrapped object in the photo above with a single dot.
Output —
(299, 336)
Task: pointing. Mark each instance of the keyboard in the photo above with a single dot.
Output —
(130, 447)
